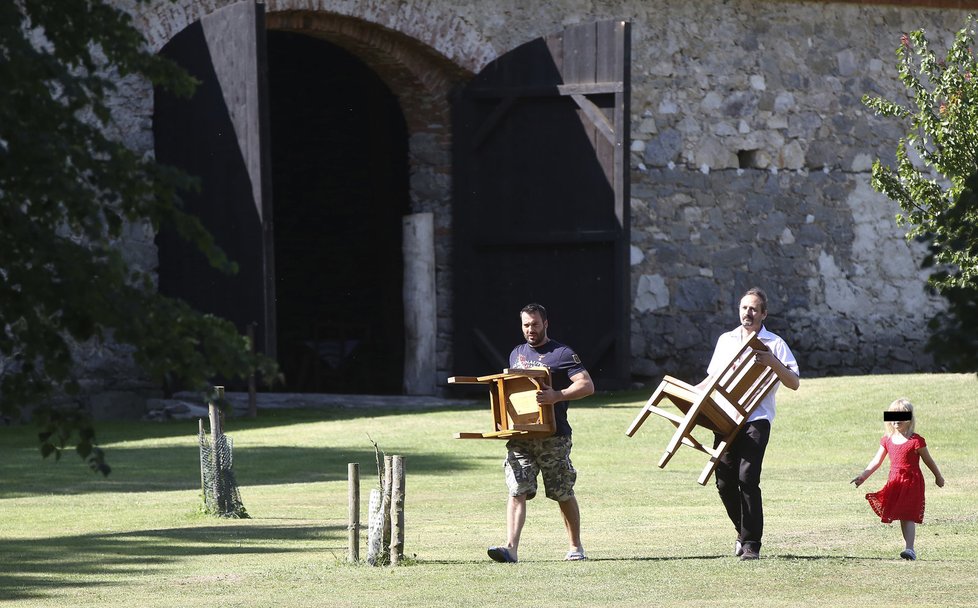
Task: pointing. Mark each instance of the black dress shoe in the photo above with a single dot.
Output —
(751, 551)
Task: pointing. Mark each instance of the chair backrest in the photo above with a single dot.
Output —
(738, 389)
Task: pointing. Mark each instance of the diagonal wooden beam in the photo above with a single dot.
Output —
(596, 116)
(492, 120)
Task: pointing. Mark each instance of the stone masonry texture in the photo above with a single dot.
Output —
(750, 158)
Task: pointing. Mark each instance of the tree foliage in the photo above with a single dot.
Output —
(69, 192)
(942, 116)
(935, 181)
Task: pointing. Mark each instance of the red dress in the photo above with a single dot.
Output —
(903, 495)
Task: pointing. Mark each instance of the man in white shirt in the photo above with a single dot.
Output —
(738, 474)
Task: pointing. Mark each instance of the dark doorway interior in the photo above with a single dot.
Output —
(340, 182)
(198, 136)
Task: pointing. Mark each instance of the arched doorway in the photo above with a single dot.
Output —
(301, 152)
(325, 64)
(340, 189)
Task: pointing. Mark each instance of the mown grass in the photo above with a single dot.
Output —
(655, 537)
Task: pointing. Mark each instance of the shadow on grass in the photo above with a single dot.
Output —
(178, 468)
(25, 435)
(731, 558)
(35, 568)
(671, 558)
(142, 469)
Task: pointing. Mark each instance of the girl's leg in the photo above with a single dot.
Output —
(909, 529)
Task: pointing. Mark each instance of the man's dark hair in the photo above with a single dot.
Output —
(535, 309)
(757, 291)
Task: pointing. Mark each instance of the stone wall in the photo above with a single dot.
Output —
(750, 158)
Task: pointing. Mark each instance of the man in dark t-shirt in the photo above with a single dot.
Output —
(526, 458)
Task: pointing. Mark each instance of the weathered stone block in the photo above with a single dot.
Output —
(664, 148)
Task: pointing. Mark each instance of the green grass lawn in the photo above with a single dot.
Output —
(654, 537)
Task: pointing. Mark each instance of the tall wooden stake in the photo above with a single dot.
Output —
(353, 476)
(385, 507)
(397, 510)
(375, 528)
(200, 430)
(214, 413)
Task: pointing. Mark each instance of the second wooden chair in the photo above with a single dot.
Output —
(711, 416)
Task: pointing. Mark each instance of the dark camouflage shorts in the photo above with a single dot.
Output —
(550, 456)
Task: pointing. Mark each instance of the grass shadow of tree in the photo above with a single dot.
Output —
(31, 566)
(178, 468)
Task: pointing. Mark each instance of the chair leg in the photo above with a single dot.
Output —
(682, 430)
(711, 466)
(640, 419)
(708, 470)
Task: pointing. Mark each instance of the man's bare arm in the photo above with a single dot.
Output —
(581, 386)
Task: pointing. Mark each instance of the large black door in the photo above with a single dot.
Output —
(220, 137)
(541, 200)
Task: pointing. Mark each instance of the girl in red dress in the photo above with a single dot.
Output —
(902, 498)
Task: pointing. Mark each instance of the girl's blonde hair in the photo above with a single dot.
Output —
(901, 405)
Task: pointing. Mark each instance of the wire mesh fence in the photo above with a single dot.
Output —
(220, 489)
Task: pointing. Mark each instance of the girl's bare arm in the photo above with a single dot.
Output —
(929, 461)
(871, 467)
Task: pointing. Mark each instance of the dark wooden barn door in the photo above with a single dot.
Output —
(220, 136)
(541, 200)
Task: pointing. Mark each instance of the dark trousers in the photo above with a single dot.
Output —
(738, 478)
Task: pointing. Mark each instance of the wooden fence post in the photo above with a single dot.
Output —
(375, 529)
(353, 475)
(385, 506)
(203, 467)
(214, 413)
(397, 510)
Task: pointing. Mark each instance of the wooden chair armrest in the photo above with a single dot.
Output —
(465, 380)
(679, 382)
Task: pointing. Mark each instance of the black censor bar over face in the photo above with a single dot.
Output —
(895, 416)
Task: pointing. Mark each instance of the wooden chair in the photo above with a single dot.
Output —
(513, 404)
(718, 410)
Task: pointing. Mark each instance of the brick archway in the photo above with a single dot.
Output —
(426, 23)
(420, 78)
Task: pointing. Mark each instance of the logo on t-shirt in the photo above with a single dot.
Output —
(523, 363)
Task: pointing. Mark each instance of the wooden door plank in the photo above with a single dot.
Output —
(523, 161)
(579, 54)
